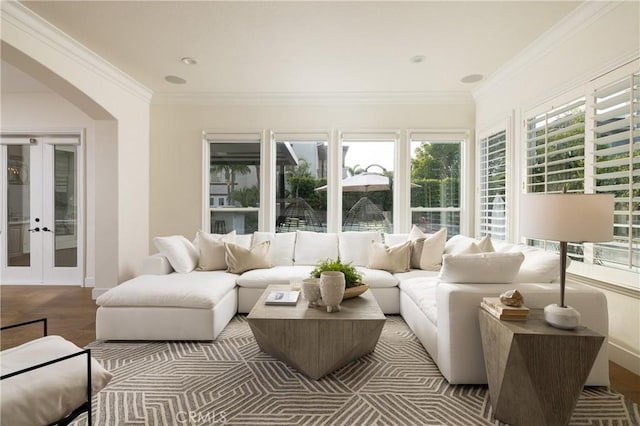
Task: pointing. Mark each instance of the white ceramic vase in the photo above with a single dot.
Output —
(332, 287)
(311, 291)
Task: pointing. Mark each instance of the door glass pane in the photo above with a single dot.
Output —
(18, 206)
(65, 201)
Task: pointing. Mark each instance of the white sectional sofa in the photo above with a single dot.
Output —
(163, 304)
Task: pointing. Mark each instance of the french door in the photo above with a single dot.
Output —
(42, 238)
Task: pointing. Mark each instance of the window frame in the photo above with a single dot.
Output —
(467, 199)
(244, 136)
(276, 136)
(585, 271)
(507, 127)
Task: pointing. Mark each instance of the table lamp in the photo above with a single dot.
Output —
(563, 217)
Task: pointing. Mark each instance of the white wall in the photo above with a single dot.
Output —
(603, 37)
(176, 144)
(104, 93)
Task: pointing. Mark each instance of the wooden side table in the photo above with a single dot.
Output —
(535, 372)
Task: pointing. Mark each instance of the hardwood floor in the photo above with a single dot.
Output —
(71, 313)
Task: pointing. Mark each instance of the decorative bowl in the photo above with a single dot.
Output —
(354, 291)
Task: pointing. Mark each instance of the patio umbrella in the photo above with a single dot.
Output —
(365, 182)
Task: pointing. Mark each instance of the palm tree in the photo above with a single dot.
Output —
(230, 172)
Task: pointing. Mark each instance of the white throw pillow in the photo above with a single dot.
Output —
(489, 268)
(283, 246)
(539, 266)
(393, 259)
(485, 244)
(181, 253)
(417, 238)
(394, 239)
(211, 252)
(240, 259)
(432, 249)
(354, 246)
(312, 247)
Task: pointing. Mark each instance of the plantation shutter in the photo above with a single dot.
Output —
(617, 168)
(555, 149)
(492, 177)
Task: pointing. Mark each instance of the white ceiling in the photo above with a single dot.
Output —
(304, 47)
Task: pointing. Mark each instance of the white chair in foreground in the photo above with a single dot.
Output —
(47, 381)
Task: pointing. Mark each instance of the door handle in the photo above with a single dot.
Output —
(45, 229)
(34, 230)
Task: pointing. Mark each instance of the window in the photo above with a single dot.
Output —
(592, 145)
(233, 183)
(301, 179)
(367, 181)
(555, 149)
(492, 183)
(617, 168)
(436, 183)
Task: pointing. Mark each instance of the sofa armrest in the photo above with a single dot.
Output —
(460, 356)
(156, 264)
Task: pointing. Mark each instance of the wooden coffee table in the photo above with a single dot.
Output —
(313, 341)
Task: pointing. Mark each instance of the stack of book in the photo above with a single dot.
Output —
(495, 307)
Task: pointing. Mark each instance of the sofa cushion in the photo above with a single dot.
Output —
(376, 278)
(415, 273)
(240, 259)
(47, 394)
(182, 254)
(393, 259)
(493, 268)
(312, 247)
(282, 246)
(431, 256)
(261, 278)
(354, 247)
(211, 252)
(423, 293)
(199, 289)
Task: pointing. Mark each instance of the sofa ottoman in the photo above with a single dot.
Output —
(194, 306)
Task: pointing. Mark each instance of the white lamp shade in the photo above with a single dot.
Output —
(567, 217)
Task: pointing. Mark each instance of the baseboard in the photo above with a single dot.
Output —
(97, 292)
(90, 282)
(624, 357)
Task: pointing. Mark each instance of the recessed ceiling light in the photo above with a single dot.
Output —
(175, 79)
(417, 59)
(472, 78)
(189, 61)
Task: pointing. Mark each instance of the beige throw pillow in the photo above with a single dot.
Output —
(417, 237)
(212, 252)
(393, 259)
(240, 259)
(432, 249)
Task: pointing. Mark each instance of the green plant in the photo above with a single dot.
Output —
(352, 277)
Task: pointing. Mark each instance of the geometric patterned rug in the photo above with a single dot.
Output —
(230, 381)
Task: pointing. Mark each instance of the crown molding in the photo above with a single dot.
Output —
(582, 16)
(24, 20)
(313, 98)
